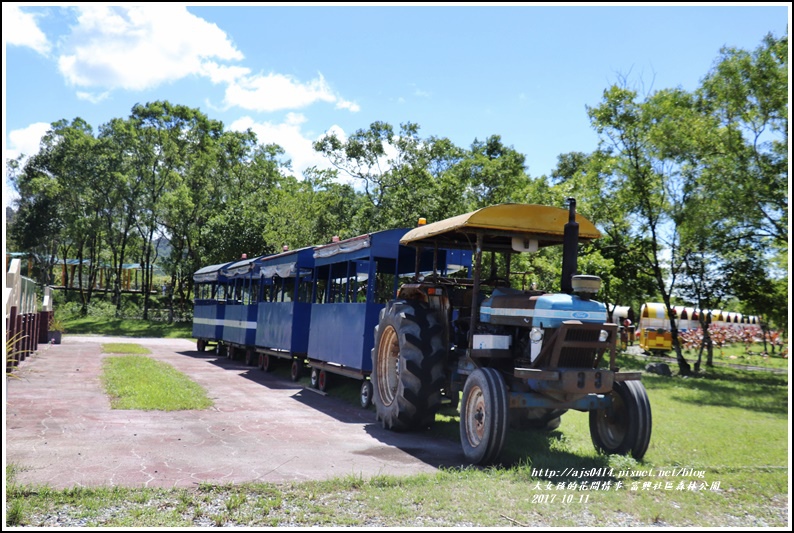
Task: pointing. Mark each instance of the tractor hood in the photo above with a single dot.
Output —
(512, 307)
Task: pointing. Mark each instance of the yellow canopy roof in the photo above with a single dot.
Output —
(498, 224)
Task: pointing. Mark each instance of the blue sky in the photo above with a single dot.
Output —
(525, 72)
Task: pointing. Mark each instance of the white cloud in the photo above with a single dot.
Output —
(335, 130)
(94, 98)
(223, 73)
(138, 47)
(26, 141)
(276, 92)
(20, 29)
(344, 104)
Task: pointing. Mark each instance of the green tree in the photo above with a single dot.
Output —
(494, 173)
(312, 210)
(247, 180)
(36, 223)
(188, 205)
(161, 142)
(734, 158)
(403, 176)
(63, 176)
(121, 190)
(747, 92)
(649, 174)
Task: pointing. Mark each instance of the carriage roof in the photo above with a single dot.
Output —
(499, 224)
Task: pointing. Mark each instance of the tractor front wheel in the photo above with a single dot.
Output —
(625, 426)
(484, 416)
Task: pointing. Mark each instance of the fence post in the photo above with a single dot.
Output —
(11, 331)
(45, 316)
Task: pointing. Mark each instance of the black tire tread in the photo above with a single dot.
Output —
(638, 425)
(494, 389)
(421, 358)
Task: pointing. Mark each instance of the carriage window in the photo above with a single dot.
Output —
(320, 290)
(385, 280)
(278, 289)
(358, 281)
(287, 289)
(245, 291)
(271, 291)
(254, 296)
(338, 283)
(304, 288)
(223, 292)
(384, 290)
(251, 291)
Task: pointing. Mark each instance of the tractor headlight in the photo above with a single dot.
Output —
(603, 336)
(536, 335)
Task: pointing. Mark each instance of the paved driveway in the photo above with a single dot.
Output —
(60, 430)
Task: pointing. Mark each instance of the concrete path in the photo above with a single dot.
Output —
(60, 430)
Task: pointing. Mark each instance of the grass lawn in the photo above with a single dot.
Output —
(118, 327)
(139, 382)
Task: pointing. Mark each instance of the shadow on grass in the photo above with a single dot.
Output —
(756, 390)
(540, 454)
(760, 392)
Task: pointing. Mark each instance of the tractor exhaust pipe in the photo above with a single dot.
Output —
(570, 249)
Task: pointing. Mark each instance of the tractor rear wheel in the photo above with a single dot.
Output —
(625, 426)
(407, 365)
(484, 416)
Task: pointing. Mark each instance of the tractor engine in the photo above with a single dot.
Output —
(527, 320)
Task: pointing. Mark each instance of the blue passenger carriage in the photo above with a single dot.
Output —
(353, 280)
(243, 293)
(284, 308)
(209, 305)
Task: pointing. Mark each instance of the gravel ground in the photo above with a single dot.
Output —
(212, 509)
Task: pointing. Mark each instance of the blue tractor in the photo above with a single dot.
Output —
(508, 356)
